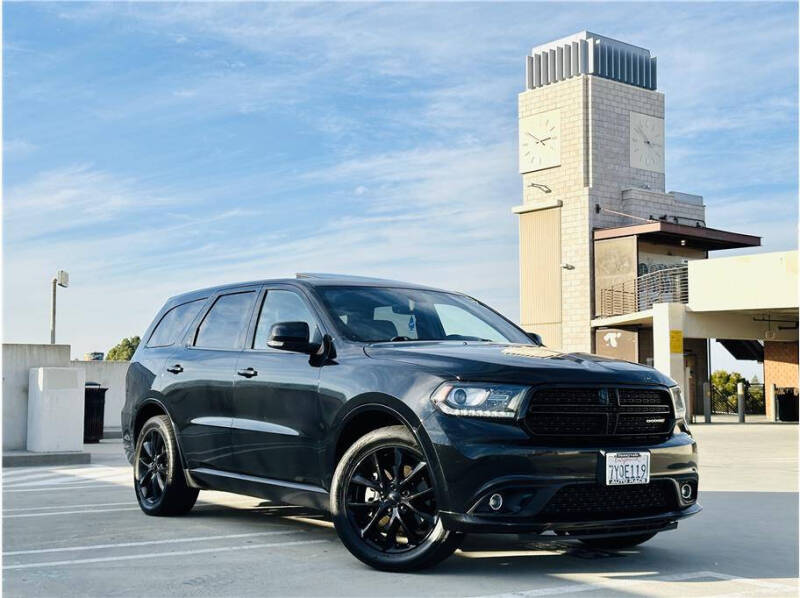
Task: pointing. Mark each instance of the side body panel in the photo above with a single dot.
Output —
(276, 430)
(199, 399)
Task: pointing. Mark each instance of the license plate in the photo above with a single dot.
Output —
(623, 469)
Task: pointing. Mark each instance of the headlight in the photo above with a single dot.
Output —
(479, 400)
(677, 402)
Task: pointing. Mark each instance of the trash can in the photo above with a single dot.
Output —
(787, 403)
(93, 411)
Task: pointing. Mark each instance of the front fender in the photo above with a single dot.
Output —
(378, 402)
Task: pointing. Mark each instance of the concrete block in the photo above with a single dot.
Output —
(17, 361)
(57, 459)
(55, 409)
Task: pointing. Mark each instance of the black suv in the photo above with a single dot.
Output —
(412, 415)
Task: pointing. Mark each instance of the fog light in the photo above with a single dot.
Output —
(496, 502)
(686, 491)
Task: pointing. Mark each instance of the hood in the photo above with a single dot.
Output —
(518, 364)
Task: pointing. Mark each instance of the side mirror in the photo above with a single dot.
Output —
(535, 338)
(290, 336)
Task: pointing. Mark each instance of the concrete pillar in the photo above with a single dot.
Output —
(740, 401)
(55, 409)
(668, 328)
(769, 398)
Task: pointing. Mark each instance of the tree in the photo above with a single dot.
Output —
(124, 350)
(726, 382)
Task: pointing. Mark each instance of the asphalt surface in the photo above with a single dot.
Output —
(77, 531)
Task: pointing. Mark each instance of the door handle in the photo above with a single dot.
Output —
(247, 372)
(175, 369)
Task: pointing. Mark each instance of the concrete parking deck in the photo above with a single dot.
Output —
(77, 531)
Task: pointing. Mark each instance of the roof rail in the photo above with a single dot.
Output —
(330, 276)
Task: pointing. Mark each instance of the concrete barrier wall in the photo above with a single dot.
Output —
(17, 362)
(111, 375)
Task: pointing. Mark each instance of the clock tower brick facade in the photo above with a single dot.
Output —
(596, 84)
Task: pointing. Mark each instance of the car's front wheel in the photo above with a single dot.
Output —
(383, 502)
(158, 478)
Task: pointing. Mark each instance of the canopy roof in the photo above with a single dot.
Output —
(669, 233)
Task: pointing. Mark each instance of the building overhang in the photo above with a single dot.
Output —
(668, 233)
(638, 318)
(766, 324)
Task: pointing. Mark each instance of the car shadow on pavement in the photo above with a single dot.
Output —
(741, 534)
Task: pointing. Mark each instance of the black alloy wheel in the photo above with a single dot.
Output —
(390, 499)
(151, 467)
(158, 478)
(384, 503)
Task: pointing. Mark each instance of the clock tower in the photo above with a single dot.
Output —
(591, 155)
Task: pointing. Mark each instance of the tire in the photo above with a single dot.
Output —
(383, 503)
(617, 542)
(160, 488)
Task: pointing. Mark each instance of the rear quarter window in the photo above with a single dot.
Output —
(173, 323)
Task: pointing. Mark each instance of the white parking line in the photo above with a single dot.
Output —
(106, 485)
(53, 507)
(227, 501)
(144, 543)
(617, 584)
(92, 511)
(52, 513)
(31, 476)
(59, 480)
(152, 555)
(759, 583)
(55, 476)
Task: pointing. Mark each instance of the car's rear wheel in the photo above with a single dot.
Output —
(383, 502)
(617, 542)
(158, 478)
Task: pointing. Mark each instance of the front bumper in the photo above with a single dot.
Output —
(477, 458)
(474, 524)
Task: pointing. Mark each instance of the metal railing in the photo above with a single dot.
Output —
(669, 285)
(727, 403)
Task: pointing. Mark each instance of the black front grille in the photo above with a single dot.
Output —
(637, 423)
(590, 502)
(623, 415)
(579, 424)
(643, 396)
(566, 396)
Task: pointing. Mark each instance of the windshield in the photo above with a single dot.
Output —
(375, 314)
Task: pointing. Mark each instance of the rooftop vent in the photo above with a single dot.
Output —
(587, 53)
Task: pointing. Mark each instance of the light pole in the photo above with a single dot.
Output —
(61, 280)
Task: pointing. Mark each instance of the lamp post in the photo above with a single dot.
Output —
(61, 280)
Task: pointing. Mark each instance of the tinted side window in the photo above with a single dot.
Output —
(282, 306)
(225, 322)
(173, 323)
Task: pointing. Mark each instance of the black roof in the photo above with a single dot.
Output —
(310, 279)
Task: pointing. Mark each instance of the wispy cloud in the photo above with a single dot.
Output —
(190, 144)
(77, 199)
(17, 148)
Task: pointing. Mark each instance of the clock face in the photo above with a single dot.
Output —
(647, 142)
(540, 141)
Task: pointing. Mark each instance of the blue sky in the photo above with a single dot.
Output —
(154, 148)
